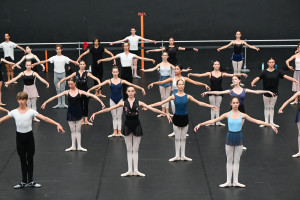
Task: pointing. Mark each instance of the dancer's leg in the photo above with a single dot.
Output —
(239, 67)
(177, 132)
(266, 108)
(135, 155)
(129, 146)
(235, 67)
(183, 133)
(72, 125)
(229, 165)
(272, 106)
(298, 154)
(114, 119)
(78, 135)
(236, 165)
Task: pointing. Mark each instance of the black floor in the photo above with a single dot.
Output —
(267, 167)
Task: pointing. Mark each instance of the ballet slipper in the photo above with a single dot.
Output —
(71, 149)
(237, 184)
(171, 134)
(184, 158)
(210, 124)
(101, 95)
(112, 135)
(220, 124)
(174, 159)
(294, 102)
(227, 184)
(187, 135)
(277, 126)
(296, 155)
(81, 149)
(120, 135)
(129, 173)
(262, 126)
(137, 173)
(244, 148)
(88, 123)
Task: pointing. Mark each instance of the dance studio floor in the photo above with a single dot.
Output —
(267, 168)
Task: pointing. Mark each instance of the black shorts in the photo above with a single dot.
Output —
(9, 59)
(136, 52)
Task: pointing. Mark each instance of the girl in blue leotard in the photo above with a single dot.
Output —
(115, 97)
(234, 140)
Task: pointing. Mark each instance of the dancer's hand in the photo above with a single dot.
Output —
(99, 61)
(6, 84)
(103, 106)
(296, 82)
(188, 69)
(153, 61)
(190, 74)
(274, 129)
(77, 63)
(252, 84)
(154, 42)
(218, 49)
(92, 117)
(280, 111)
(115, 62)
(203, 94)
(58, 85)
(111, 43)
(144, 108)
(60, 128)
(16, 66)
(271, 93)
(44, 105)
(195, 49)
(47, 85)
(207, 87)
(215, 108)
(169, 118)
(257, 49)
(144, 92)
(245, 75)
(147, 51)
(150, 86)
(197, 127)
(43, 68)
(291, 68)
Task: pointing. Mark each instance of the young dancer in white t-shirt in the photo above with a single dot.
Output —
(133, 40)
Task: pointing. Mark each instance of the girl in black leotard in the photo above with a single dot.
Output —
(74, 115)
(237, 56)
(215, 85)
(132, 129)
(33, 58)
(81, 83)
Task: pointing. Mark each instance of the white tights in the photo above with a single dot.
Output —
(216, 101)
(134, 67)
(132, 144)
(237, 67)
(116, 115)
(233, 154)
(165, 93)
(31, 103)
(180, 141)
(75, 127)
(269, 103)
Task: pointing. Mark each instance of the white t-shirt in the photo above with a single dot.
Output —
(59, 63)
(8, 49)
(23, 121)
(133, 42)
(126, 60)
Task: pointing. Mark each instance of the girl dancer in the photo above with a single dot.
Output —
(296, 57)
(239, 92)
(32, 57)
(215, 78)
(181, 119)
(126, 59)
(8, 49)
(74, 115)
(2, 60)
(237, 56)
(165, 72)
(25, 140)
(133, 40)
(29, 87)
(132, 128)
(116, 97)
(234, 140)
(81, 77)
(294, 97)
(97, 54)
(173, 80)
(270, 78)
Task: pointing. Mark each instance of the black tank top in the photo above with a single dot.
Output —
(81, 82)
(215, 83)
(74, 108)
(237, 48)
(28, 80)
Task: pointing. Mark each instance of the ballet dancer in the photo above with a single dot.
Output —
(25, 140)
(132, 128)
(173, 80)
(237, 56)
(97, 54)
(126, 59)
(294, 97)
(296, 57)
(29, 87)
(116, 97)
(8, 49)
(165, 72)
(81, 77)
(181, 119)
(215, 78)
(271, 78)
(2, 60)
(234, 140)
(133, 40)
(74, 115)
(59, 62)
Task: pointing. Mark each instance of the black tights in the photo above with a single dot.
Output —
(26, 149)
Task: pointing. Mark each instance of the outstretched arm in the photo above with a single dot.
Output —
(287, 62)
(290, 79)
(51, 121)
(93, 96)
(93, 77)
(121, 104)
(23, 58)
(65, 79)
(136, 86)
(4, 110)
(196, 83)
(162, 102)
(156, 50)
(54, 97)
(226, 46)
(155, 110)
(14, 79)
(81, 56)
(107, 59)
(160, 82)
(19, 47)
(256, 121)
(190, 98)
(41, 79)
(259, 92)
(251, 47)
(38, 60)
(231, 75)
(186, 49)
(254, 81)
(199, 75)
(40, 63)
(148, 40)
(74, 62)
(151, 69)
(111, 54)
(145, 59)
(216, 92)
(225, 115)
(288, 101)
(99, 85)
(6, 117)
(118, 41)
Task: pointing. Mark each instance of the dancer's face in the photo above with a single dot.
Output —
(126, 46)
(132, 31)
(177, 70)
(165, 56)
(216, 65)
(115, 73)
(28, 65)
(82, 65)
(28, 50)
(22, 102)
(235, 104)
(130, 92)
(171, 41)
(238, 35)
(96, 42)
(58, 50)
(6, 37)
(271, 63)
(235, 81)
(72, 85)
(180, 85)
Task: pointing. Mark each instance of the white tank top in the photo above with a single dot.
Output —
(297, 64)
(165, 71)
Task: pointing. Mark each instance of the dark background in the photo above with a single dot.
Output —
(81, 20)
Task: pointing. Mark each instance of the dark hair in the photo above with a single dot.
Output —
(22, 96)
(133, 28)
(29, 46)
(82, 61)
(96, 38)
(165, 52)
(7, 34)
(115, 67)
(216, 61)
(125, 43)
(130, 86)
(234, 98)
(58, 45)
(271, 58)
(180, 66)
(238, 31)
(73, 79)
(171, 38)
(28, 61)
(239, 77)
(179, 80)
